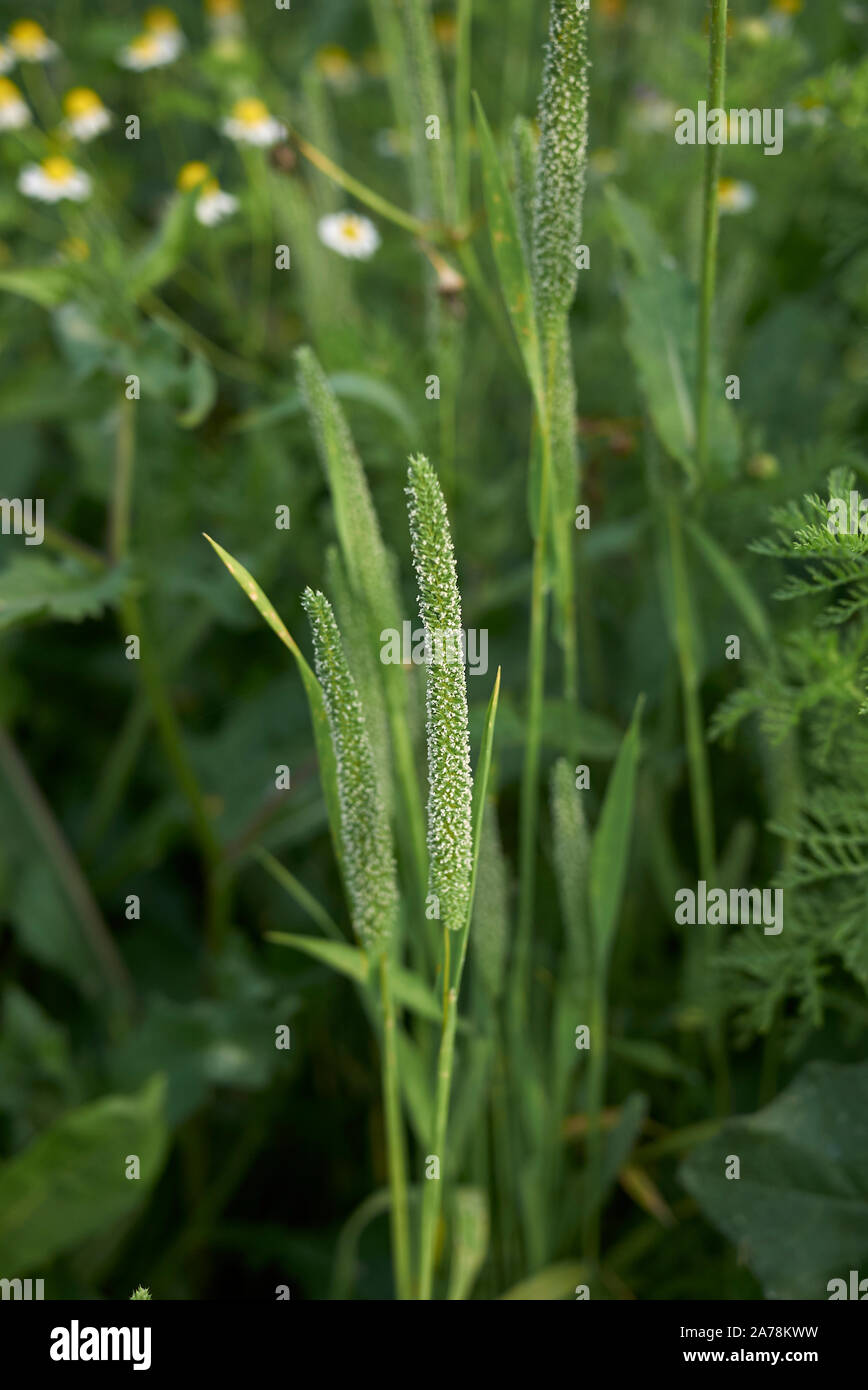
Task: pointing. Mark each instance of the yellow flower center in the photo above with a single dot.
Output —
(727, 187)
(350, 231)
(9, 93)
(159, 20)
(26, 34)
(333, 61)
(144, 46)
(210, 188)
(250, 111)
(788, 6)
(81, 101)
(74, 248)
(58, 168)
(192, 175)
(222, 6)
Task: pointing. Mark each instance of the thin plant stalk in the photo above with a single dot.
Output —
(529, 808)
(716, 84)
(395, 1140)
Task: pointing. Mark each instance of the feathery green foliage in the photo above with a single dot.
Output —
(450, 785)
(563, 120)
(369, 861)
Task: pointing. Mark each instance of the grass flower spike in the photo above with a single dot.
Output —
(55, 179)
(366, 839)
(85, 117)
(251, 123)
(563, 118)
(449, 778)
(349, 234)
(14, 111)
(30, 43)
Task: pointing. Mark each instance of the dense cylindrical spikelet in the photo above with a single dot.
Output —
(361, 541)
(563, 119)
(450, 784)
(369, 861)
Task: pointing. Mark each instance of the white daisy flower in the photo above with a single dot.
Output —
(214, 205)
(161, 43)
(652, 112)
(14, 111)
(147, 51)
(55, 178)
(807, 113)
(251, 123)
(7, 58)
(337, 68)
(735, 196)
(225, 19)
(29, 42)
(349, 234)
(754, 29)
(85, 115)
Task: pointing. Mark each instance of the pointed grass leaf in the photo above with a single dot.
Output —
(571, 848)
(509, 255)
(312, 689)
(611, 844)
(337, 955)
(470, 1235)
(732, 580)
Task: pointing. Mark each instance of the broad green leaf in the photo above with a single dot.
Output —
(319, 717)
(611, 844)
(798, 1212)
(470, 1234)
(661, 305)
(34, 586)
(506, 244)
(337, 955)
(732, 580)
(555, 1282)
(71, 1183)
